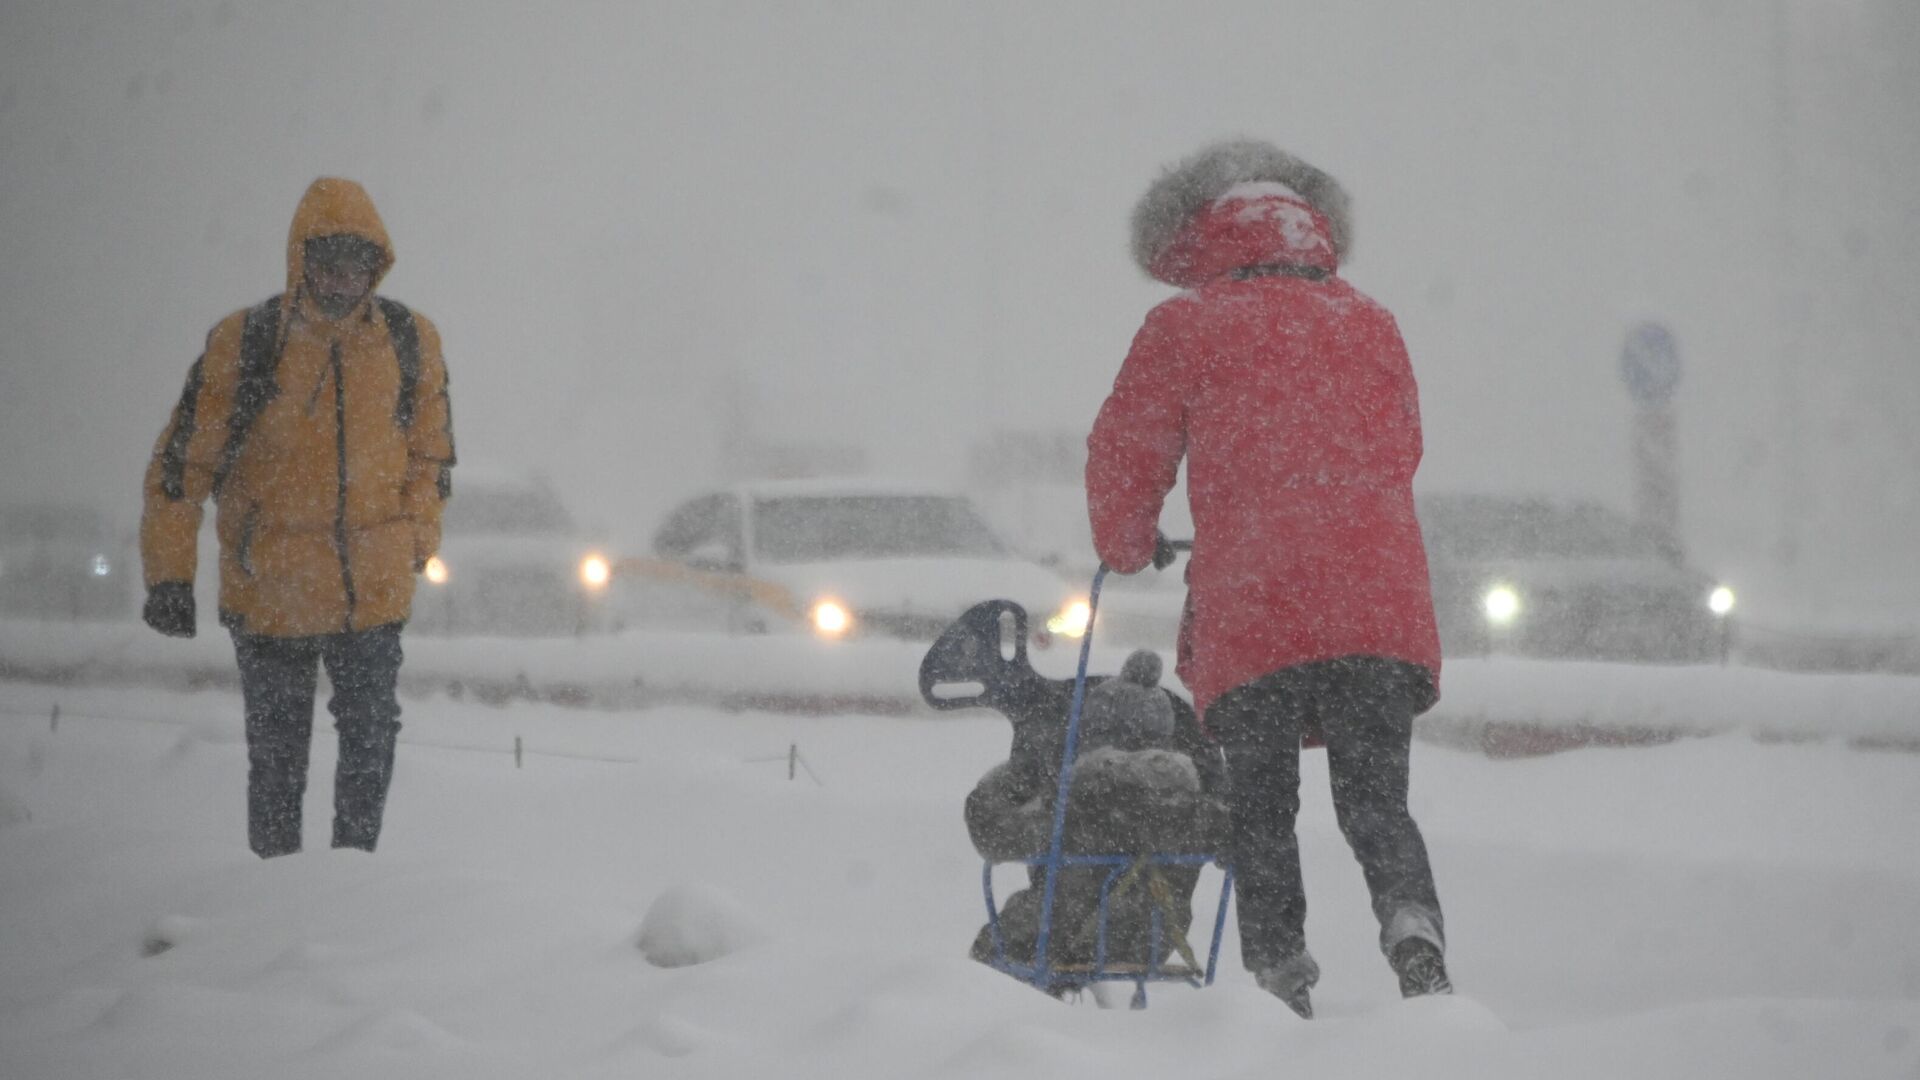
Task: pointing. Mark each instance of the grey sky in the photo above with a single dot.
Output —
(902, 223)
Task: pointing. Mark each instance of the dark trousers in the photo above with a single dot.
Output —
(1363, 707)
(277, 679)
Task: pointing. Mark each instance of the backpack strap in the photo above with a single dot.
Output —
(260, 347)
(405, 334)
(173, 459)
(259, 357)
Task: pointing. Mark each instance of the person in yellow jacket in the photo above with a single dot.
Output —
(318, 422)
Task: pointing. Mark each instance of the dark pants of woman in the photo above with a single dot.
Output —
(277, 681)
(1363, 707)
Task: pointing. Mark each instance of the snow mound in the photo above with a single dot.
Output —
(394, 1031)
(167, 932)
(695, 924)
(668, 1035)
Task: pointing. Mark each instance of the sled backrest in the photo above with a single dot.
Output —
(969, 666)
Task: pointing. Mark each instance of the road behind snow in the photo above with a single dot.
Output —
(1716, 906)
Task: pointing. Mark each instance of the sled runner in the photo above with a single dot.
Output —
(971, 657)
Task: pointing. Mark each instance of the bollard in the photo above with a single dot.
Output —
(802, 762)
(795, 763)
(516, 751)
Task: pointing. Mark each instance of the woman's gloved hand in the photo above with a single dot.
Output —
(1163, 553)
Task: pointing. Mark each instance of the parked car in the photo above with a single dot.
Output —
(837, 559)
(64, 561)
(1519, 576)
(1567, 580)
(512, 563)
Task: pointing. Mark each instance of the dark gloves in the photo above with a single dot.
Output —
(170, 608)
(1163, 553)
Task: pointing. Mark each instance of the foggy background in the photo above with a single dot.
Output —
(901, 226)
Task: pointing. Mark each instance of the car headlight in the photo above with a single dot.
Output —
(1720, 601)
(435, 570)
(595, 572)
(830, 618)
(101, 566)
(1502, 604)
(1072, 620)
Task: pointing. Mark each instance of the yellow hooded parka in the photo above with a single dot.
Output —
(331, 504)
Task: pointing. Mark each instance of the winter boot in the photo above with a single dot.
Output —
(1421, 967)
(1286, 986)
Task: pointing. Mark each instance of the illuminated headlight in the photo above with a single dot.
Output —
(1720, 601)
(101, 566)
(830, 619)
(1071, 620)
(1501, 604)
(435, 570)
(595, 572)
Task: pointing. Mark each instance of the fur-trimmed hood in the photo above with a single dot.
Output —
(1164, 244)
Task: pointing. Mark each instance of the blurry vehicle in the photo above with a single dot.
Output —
(512, 563)
(64, 561)
(1566, 580)
(1520, 576)
(838, 560)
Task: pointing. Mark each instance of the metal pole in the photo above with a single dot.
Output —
(1656, 487)
(1219, 924)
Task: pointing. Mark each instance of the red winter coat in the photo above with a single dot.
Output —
(1295, 405)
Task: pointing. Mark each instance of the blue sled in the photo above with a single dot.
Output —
(974, 663)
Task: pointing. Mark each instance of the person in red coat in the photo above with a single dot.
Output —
(1309, 611)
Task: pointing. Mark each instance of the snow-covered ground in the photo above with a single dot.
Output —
(1712, 907)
